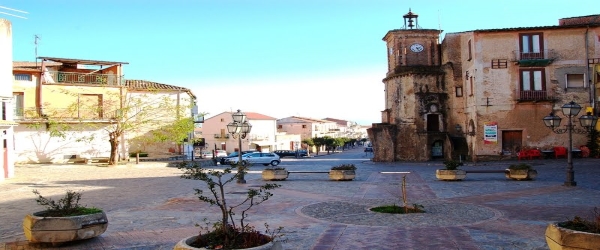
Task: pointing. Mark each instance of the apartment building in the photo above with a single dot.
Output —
(308, 127)
(482, 94)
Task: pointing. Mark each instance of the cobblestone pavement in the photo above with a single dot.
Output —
(150, 207)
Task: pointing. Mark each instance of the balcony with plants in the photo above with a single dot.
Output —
(539, 58)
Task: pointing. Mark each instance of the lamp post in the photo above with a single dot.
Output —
(587, 121)
(239, 128)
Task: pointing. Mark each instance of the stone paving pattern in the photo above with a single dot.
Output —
(150, 207)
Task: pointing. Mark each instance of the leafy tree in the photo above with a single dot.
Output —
(145, 117)
(319, 142)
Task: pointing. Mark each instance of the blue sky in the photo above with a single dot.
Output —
(312, 58)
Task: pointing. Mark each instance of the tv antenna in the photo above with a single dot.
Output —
(14, 10)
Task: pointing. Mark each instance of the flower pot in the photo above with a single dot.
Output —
(185, 245)
(274, 174)
(562, 238)
(63, 229)
(450, 175)
(521, 174)
(342, 175)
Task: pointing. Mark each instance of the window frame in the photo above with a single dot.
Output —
(532, 78)
(527, 46)
(583, 81)
(19, 75)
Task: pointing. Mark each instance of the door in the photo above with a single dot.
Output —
(437, 150)
(511, 142)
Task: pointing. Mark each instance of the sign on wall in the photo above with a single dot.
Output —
(490, 133)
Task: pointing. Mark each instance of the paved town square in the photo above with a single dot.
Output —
(150, 207)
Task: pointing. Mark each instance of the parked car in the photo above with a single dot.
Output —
(292, 153)
(225, 160)
(258, 158)
(220, 153)
(206, 154)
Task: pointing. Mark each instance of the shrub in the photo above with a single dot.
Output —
(66, 206)
(583, 225)
(452, 164)
(344, 167)
(520, 166)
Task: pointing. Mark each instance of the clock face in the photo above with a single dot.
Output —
(416, 47)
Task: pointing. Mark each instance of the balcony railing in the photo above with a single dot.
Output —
(534, 95)
(30, 114)
(61, 77)
(535, 59)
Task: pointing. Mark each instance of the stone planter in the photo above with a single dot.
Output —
(562, 238)
(274, 174)
(342, 175)
(450, 175)
(521, 174)
(63, 229)
(184, 245)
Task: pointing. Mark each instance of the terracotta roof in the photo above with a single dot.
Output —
(148, 85)
(338, 121)
(32, 66)
(80, 61)
(250, 115)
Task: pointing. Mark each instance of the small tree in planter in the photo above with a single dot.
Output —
(576, 233)
(451, 172)
(521, 171)
(344, 172)
(228, 233)
(63, 220)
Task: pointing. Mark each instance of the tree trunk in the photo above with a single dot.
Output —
(114, 152)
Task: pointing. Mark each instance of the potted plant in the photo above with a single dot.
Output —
(343, 172)
(230, 232)
(275, 174)
(451, 172)
(63, 220)
(577, 233)
(521, 171)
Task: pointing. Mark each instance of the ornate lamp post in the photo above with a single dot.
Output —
(239, 128)
(588, 121)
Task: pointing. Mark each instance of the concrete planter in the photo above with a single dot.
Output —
(521, 174)
(559, 238)
(342, 175)
(450, 175)
(274, 174)
(185, 245)
(63, 229)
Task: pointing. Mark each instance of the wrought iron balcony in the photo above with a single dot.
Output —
(534, 96)
(64, 77)
(64, 114)
(534, 59)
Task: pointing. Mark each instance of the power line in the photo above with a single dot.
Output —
(15, 10)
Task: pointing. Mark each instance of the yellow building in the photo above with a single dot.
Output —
(71, 110)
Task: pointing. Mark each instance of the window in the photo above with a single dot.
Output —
(471, 86)
(23, 77)
(499, 64)
(533, 84)
(303, 126)
(279, 126)
(470, 55)
(575, 80)
(19, 109)
(531, 46)
(459, 91)
(222, 119)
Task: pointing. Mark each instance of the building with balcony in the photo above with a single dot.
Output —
(262, 136)
(308, 127)
(482, 94)
(68, 109)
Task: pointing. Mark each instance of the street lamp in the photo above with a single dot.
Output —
(587, 121)
(239, 128)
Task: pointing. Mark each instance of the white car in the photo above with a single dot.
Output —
(221, 153)
(258, 158)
